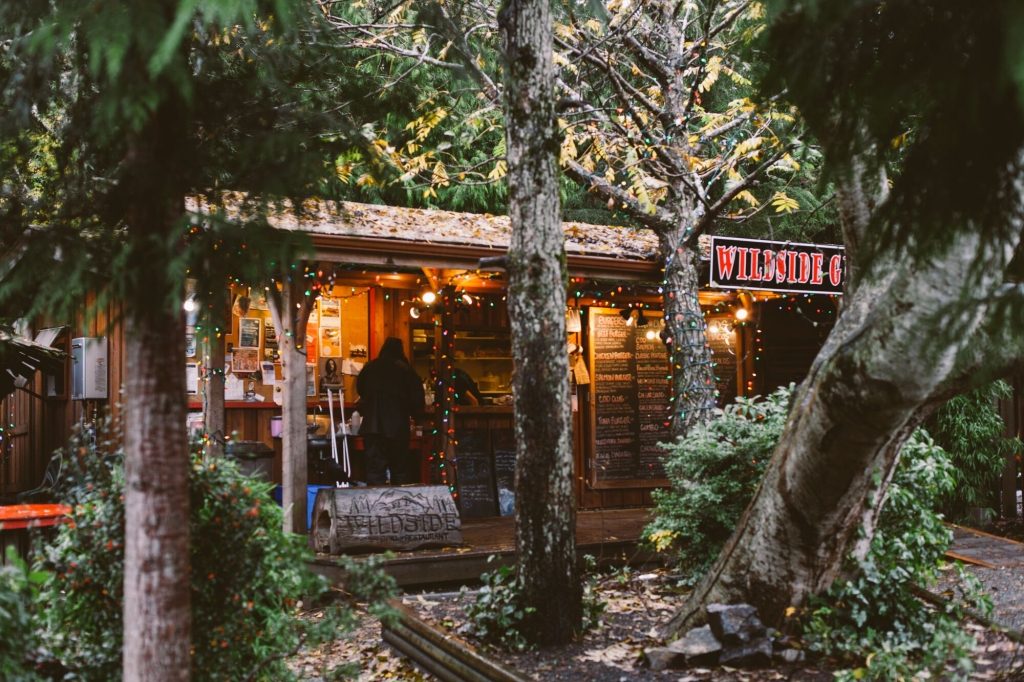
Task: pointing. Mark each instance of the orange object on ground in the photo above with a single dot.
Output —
(17, 516)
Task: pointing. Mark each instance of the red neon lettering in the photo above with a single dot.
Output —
(805, 268)
(741, 271)
(792, 268)
(769, 265)
(755, 265)
(835, 270)
(816, 259)
(726, 259)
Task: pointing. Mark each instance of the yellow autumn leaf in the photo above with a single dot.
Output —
(784, 203)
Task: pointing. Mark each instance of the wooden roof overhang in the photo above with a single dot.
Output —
(388, 253)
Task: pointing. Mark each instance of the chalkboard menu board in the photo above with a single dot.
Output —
(630, 394)
(724, 351)
(474, 476)
(504, 443)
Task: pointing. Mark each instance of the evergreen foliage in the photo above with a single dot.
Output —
(714, 472)
(247, 577)
(19, 639)
(971, 429)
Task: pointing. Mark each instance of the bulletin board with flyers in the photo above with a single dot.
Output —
(336, 347)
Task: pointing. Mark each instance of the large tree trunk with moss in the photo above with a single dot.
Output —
(893, 353)
(290, 308)
(545, 504)
(157, 615)
(693, 373)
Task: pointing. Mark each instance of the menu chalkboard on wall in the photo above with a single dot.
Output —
(722, 337)
(474, 475)
(504, 442)
(630, 399)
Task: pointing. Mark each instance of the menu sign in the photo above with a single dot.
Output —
(474, 476)
(630, 393)
(722, 337)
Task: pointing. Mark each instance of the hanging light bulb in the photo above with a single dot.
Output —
(741, 314)
(428, 297)
(467, 299)
(190, 304)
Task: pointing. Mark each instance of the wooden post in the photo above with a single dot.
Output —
(290, 307)
(214, 416)
(1010, 412)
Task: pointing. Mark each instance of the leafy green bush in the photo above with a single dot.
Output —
(714, 472)
(873, 619)
(496, 615)
(970, 428)
(247, 576)
(19, 639)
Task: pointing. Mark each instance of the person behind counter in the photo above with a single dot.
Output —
(466, 391)
(390, 392)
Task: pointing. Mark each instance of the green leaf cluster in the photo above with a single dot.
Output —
(19, 640)
(247, 577)
(714, 470)
(971, 429)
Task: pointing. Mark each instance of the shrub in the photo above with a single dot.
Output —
(874, 619)
(970, 428)
(496, 615)
(18, 621)
(714, 472)
(247, 576)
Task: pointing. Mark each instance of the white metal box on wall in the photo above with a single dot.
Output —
(89, 368)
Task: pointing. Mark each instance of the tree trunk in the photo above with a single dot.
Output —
(214, 417)
(157, 609)
(290, 308)
(867, 391)
(693, 373)
(545, 504)
(157, 613)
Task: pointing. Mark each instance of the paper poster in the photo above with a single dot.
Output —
(310, 381)
(269, 375)
(234, 388)
(310, 346)
(190, 341)
(191, 378)
(330, 374)
(245, 360)
(249, 332)
(330, 312)
(330, 342)
(259, 302)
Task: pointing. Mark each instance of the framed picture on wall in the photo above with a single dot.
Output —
(249, 332)
(245, 360)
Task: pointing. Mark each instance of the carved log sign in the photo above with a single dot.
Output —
(777, 266)
(399, 518)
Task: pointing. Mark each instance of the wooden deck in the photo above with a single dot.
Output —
(610, 536)
(983, 549)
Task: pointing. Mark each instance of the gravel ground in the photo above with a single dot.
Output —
(1005, 587)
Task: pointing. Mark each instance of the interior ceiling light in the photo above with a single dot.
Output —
(627, 315)
(467, 299)
(190, 304)
(414, 312)
(651, 334)
(428, 297)
(641, 320)
(741, 314)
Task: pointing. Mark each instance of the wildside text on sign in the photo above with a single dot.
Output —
(777, 266)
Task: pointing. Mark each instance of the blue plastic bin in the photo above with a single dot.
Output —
(311, 491)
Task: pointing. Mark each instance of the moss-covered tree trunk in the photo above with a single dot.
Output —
(545, 504)
(157, 617)
(693, 373)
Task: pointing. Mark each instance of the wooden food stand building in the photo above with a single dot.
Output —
(413, 274)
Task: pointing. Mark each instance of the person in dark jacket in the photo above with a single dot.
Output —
(390, 392)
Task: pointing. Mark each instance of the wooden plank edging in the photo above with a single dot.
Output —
(455, 658)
